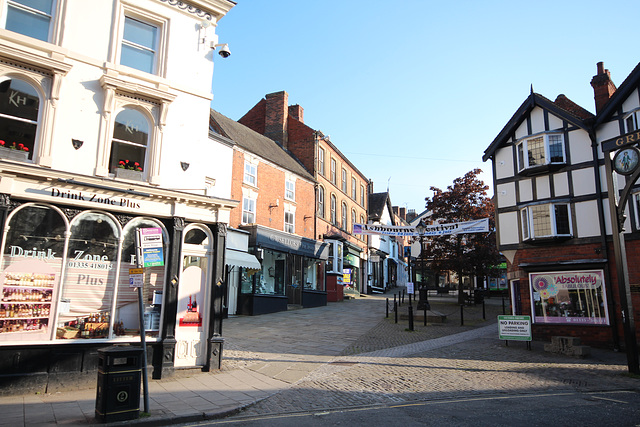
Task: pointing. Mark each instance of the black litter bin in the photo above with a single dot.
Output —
(119, 374)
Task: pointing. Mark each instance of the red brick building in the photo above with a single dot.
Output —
(341, 192)
(277, 197)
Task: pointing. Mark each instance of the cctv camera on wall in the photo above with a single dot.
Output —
(224, 49)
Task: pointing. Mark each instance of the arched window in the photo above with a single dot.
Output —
(130, 141)
(19, 104)
(333, 209)
(321, 201)
(354, 218)
(344, 223)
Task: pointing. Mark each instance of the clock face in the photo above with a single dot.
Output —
(626, 161)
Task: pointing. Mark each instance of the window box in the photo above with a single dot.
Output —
(9, 154)
(128, 174)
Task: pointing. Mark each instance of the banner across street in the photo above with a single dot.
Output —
(476, 226)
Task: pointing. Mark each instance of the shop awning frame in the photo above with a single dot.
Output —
(241, 259)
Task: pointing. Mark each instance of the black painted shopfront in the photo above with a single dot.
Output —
(64, 274)
(292, 272)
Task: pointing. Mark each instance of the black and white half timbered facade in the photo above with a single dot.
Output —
(555, 169)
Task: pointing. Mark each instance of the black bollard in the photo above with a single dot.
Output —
(425, 315)
(484, 314)
(387, 309)
(403, 296)
(503, 312)
(395, 309)
(410, 318)
(394, 300)
(461, 314)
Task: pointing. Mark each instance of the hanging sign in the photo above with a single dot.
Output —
(150, 246)
(476, 226)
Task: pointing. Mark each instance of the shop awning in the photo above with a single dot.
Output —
(241, 259)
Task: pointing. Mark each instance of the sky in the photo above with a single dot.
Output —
(414, 91)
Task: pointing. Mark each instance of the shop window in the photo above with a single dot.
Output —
(542, 150)
(545, 221)
(89, 286)
(290, 190)
(334, 261)
(321, 201)
(573, 297)
(313, 272)
(248, 210)
(19, 107)
(31, 18)
(246, 280)
(271, 279)
(129, 144)
(321, 161)
(139, 45)
(289, 222)
(333, 171)
(31, 267)
(250, 174)
(126, 318)
(333, 210)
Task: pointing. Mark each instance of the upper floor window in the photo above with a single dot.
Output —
(19, 105)
(321, 161)
(289, 222)
(354, 188)
(544, 221)
(31, 18)
(344, 223)
(333, 208)
(354, 218)
(333, 171)
(541, 150)
(362, 194)
(130, 140)
(631, 122)
(321, 202)
(362, 222)
(139, 45)
(344, 181)
(290, 190)
(248, 210)
(250, 174)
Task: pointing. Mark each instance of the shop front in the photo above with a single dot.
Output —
(66, 257)
(291, 273)
(352, 271)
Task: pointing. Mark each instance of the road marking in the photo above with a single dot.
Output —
(610, 400)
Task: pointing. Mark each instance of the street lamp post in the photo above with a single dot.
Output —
(423, 300)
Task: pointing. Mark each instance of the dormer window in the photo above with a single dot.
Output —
(540, 151)
(631, 122)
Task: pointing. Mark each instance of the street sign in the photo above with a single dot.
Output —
(516, 328)
(410, 288)
(136, 277)
(150, 244)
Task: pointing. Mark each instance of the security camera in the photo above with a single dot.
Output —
(224, 51)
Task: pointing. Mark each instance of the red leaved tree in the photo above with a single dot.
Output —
(467, 254)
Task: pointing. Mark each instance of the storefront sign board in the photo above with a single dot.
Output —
(151, 246)
(514, 328)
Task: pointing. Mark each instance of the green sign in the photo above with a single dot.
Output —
(514, 328)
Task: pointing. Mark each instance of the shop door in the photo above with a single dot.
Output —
(193, 311)
(294, 289)
(232, 293)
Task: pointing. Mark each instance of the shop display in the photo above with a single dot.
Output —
(26, 301)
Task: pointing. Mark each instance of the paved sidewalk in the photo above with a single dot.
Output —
(300, 351)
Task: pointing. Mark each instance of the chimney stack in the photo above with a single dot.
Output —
(276, 116)
(603, 87)
(296, 112)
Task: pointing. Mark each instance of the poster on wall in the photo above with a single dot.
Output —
(570, 297)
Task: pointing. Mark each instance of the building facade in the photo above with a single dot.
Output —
(277, 211)
(102, 141)
(554, 181)
(341, 191)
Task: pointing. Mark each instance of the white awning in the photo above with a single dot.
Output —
(241, 259)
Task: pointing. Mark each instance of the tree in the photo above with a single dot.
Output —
(471, 254)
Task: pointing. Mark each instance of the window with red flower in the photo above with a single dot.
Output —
(19, 103)
(129, 144)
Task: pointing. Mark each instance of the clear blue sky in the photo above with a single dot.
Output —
(414, 91)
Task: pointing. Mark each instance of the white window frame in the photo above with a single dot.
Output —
(362, 195)
(250, 173)
(52, 16)
(354, 188)
(528, 220)
(290, 189)
(321, 201)
(333, 209)
(354, 218)
(631, 121)
(248, 210)
(149, 122)
(162, 25)
(333, 171)
(344, 216)
(321, 161)
(290, 226)
(153, 103)
(344, 181)
(522, 148)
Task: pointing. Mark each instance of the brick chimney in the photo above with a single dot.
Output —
(403, 213)
(603, 87)
(276, 116)
(296, 112)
